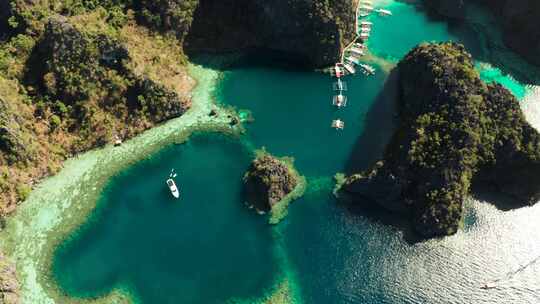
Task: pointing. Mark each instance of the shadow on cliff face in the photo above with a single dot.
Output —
(378, 130)
(256, 57)
(503, 202)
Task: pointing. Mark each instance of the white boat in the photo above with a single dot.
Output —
(339, 100)
(359, 46)
(340, 85)
(353, 60)
(368, 69)
(338, 124)
(172, 186)
(488, 285)
(338, 70)
(349, 68)
(366, 30)
(365, 10)
(384, 12)
(356, 51)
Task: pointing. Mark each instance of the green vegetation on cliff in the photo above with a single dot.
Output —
(271, 184)
(454, 131)
(76, 75)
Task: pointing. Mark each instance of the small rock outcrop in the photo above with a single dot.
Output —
(519, 19)
(454, 132)
(271, 184)
(267, 182)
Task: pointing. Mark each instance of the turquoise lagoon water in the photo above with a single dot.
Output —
(208, 248)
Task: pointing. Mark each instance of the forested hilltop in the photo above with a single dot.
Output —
(79, 74)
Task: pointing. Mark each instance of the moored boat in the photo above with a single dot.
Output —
(172, 187)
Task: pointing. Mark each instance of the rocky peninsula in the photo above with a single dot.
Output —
(270, 184)
(454, 132)
(519, 20)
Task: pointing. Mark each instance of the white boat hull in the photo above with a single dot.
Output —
(172, 187)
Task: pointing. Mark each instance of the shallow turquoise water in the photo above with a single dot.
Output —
(165, 250)
(208, 247)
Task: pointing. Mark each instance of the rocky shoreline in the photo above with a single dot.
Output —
(454, 132)
(270, 184)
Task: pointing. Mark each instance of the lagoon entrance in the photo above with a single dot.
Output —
(208, 247)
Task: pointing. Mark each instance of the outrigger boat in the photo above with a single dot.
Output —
(488, 285)
(384, 12)
(338, 124)
(339, 100)
(338, 70)
(349, 68)
(369, 70)
(359, 46)
(353, 60)
(340, 85)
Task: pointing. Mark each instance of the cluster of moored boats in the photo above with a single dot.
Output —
(351, 57)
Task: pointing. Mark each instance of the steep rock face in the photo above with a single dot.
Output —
(267, 181)
(167, 15)
(85, 71)
(67, 59)
(454, 131)
(14, 136)
(160, 103)
(312, 32)
(520, 21)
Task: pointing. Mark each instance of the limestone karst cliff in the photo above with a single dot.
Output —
(455, 132)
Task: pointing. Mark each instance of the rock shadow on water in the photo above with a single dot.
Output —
(398, 221)
(378, 130)
(488, 194)
(369, 148)
(251, 58)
